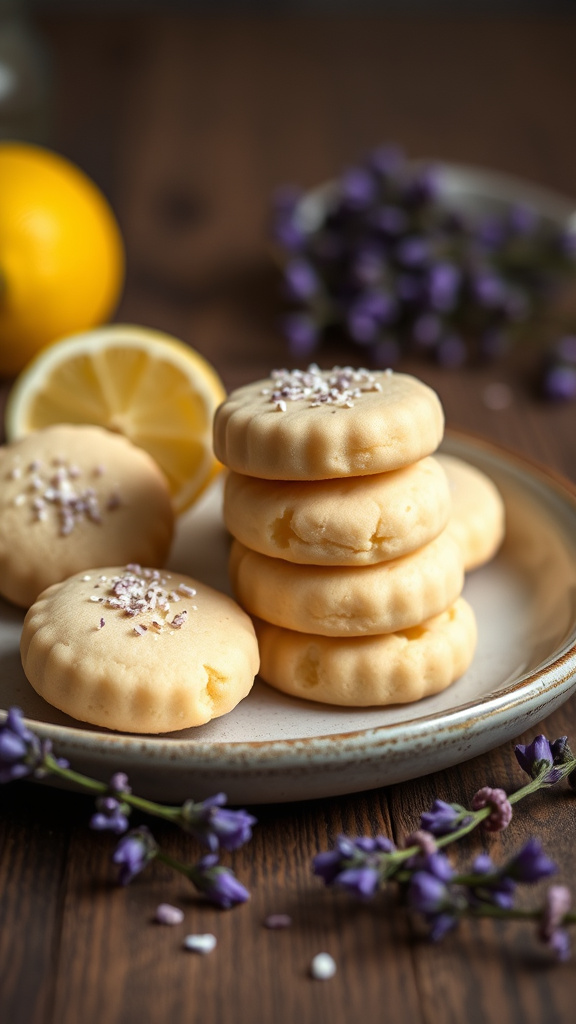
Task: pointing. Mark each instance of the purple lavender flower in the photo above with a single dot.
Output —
(444, 818)
(531, 864)
(490, 232)
(442, 286)
(362, 882)
(285, 227)
(300, 280)
(387, 161)
(111, 815)
(357, 188)
(368, 314)
(488, 289)
(493, 886)
(302, 333)
(412, 251)
(215, 825)
(436, 864)
(522, 219)
(501, 814)
(536, 757)
(557, 905)
(219, 884)
(134, 851)
(430, 895)
(355, 864)
(559, 382)
(22, 753)
(119, 784)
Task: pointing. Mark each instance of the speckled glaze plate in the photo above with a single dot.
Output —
(275, 748)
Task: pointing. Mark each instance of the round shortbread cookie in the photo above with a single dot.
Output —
(73, 497)
(478, 519)
(357, 521)
(374, 670)
(320, 424)
(139, 650)
(349, 600)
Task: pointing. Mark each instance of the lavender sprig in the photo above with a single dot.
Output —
(23, 754)
(429, 884)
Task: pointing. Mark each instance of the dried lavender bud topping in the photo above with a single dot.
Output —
(59, 488)
(167, 914)
(276, 922)
(138, 591)
(341, 385)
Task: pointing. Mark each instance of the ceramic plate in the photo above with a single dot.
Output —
(277, 748)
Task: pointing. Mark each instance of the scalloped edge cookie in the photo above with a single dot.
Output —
(353, 521)
(478, 520)
(75, 496)
(139, 650)
(320, 424)
(398, 668)
(349, 600)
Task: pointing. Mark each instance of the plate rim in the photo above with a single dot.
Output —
(556, 673)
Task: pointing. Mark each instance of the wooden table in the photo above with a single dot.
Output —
(187, 123)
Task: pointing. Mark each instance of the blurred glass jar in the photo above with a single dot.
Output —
(25, 77)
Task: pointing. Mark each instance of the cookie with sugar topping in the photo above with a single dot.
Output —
(354, 521)
(74, 497)
(139, 650)
(365, 671)
(319, 424)
(351, 600)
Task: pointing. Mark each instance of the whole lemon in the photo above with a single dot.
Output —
(61, 252)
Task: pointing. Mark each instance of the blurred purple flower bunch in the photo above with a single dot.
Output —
(389, 267)
(431, 887)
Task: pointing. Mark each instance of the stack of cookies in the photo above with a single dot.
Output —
(341, 551)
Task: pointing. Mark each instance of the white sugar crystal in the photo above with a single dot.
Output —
(200, 943)
(323, 966)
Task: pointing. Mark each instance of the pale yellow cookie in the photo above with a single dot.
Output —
(478, 520)
(349, 600)
(139, 650)
(72, 497)
(319, 424)
(374, 670)
(357, 521)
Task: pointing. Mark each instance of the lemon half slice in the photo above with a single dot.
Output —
(135, 381)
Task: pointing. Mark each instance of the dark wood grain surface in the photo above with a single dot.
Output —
(187, 123)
